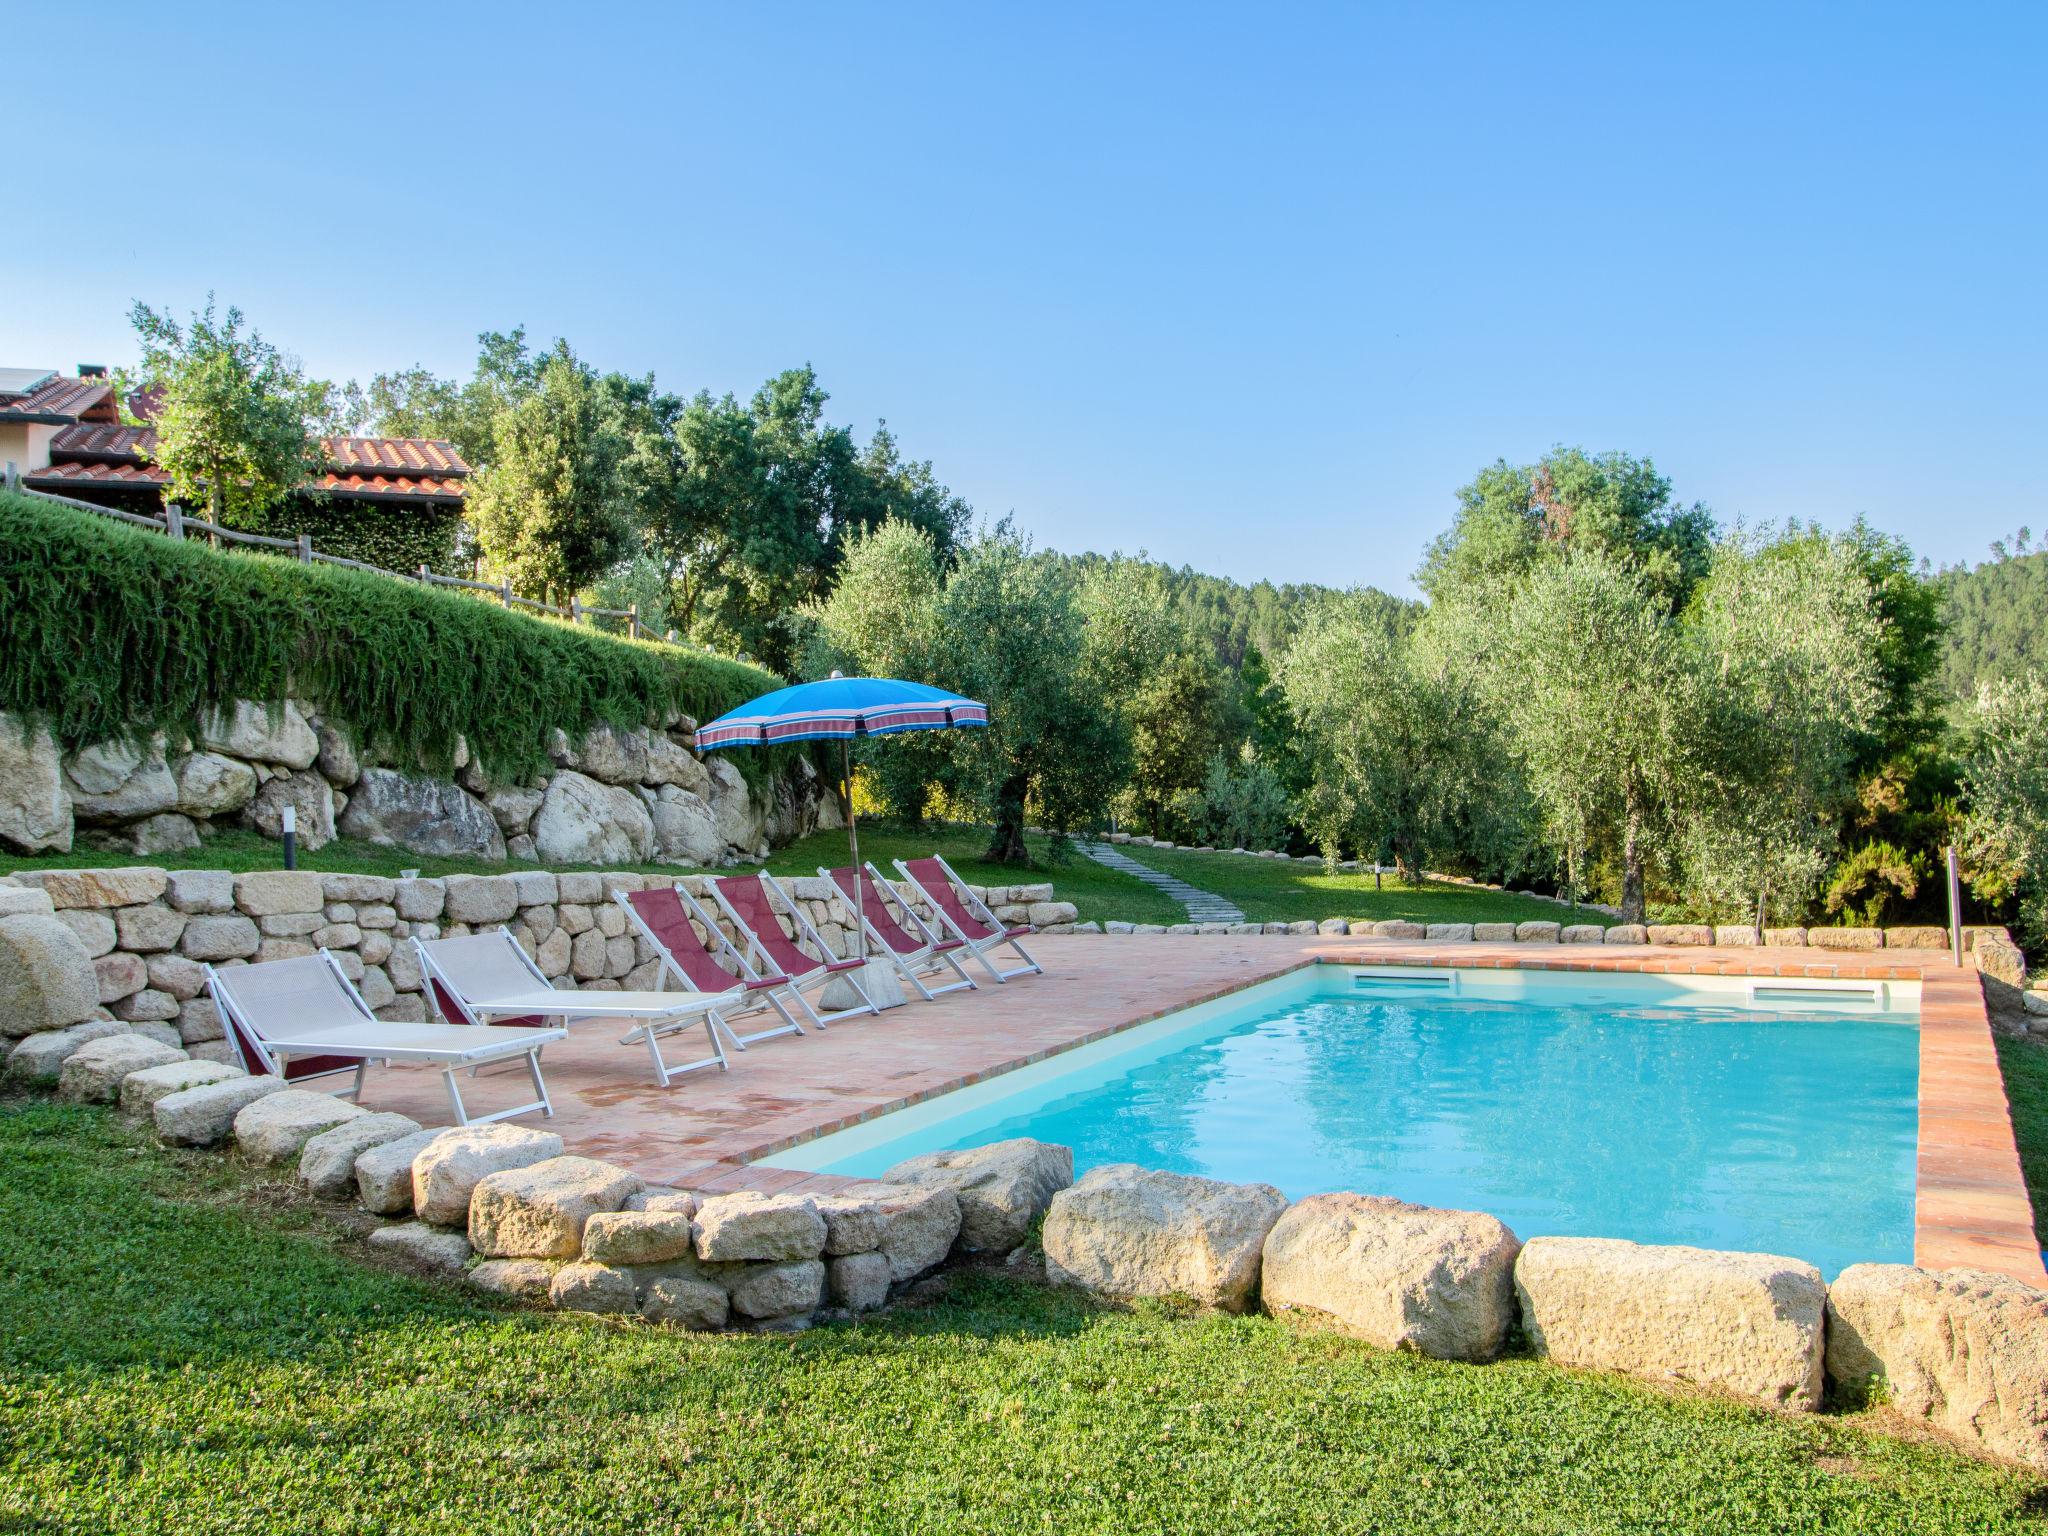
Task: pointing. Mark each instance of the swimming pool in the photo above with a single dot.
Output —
(1727, 1112)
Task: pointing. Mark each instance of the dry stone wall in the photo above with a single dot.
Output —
(141, 936)
(613, 797)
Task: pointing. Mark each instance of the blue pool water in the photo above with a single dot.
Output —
(1634, 1107)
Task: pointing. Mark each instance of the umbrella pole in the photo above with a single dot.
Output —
(860, 877)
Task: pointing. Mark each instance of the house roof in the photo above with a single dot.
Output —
(122, 476)
(398, 469)
(411, 455)
(59, 402)
(100, 444)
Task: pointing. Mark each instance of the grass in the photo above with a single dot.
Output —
(1099, 893)
(183, 1350)
(1275, 891)
(2025, 1064)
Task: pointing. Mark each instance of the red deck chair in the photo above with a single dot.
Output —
(664, 918)
(915, 953)
(964, 915)
(747, 900)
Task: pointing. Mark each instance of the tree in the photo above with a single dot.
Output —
(1585, 679)
(1398, 735)
(2005, 779)
(1509, 517)
(1161, 678)
(415, 403)
(1006, 627)
(554, 511)
(1009, 632)
(233, 429)
(1785, 644)
(1244, 804)
(765, 498)
(880, 621)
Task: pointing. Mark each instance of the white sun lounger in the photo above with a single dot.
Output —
(485, 976)
(303, 1018)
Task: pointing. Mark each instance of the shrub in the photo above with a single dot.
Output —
(108, 631)
(1245, 806)
(397, 538)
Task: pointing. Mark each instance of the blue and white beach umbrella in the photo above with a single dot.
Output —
(839, 709)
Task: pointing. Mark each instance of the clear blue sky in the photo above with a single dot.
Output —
(1253, 288)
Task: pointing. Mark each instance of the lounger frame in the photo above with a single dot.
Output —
(591, 1005)
(977, 945)
(934, 953)
(274, 1056)
(747, 977)
(821, 973)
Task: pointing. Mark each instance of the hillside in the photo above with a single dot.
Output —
(1231, 614)
(1997, 616)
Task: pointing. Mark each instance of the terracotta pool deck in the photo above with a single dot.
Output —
(1970, 1205)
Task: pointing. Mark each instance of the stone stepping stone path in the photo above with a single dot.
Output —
(1203, 906)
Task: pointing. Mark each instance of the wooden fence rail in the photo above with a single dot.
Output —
(177, 523)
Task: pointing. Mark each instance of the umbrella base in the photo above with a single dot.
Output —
(878, 978)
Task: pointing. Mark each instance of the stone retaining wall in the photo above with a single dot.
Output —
(614, 797)
(1966, 1349)
(145, 933)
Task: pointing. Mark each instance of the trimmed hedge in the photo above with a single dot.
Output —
(108, 631)
(399, 538)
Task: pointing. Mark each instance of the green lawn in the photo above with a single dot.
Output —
(2025, 1063)
(182, 1351)
(1099, 893)
(1275, 890)
(1267, 890)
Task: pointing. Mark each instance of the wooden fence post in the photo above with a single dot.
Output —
(575, 609)
(505, 591)
(13, 477)
(425, 580)
(305, 549)
(174, 520)
(632, 621)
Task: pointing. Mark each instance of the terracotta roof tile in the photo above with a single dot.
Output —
(393, 487)
(56, 476)
(61, 400)
(412, 455)
(426, 468)
(102, 445)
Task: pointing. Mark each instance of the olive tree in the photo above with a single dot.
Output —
(1784, 644)
(1585, 676)
(1005, 626)
(1148, 665)
(880, 621)
(2005, 783)
(1397, 730)
(1011, 632)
